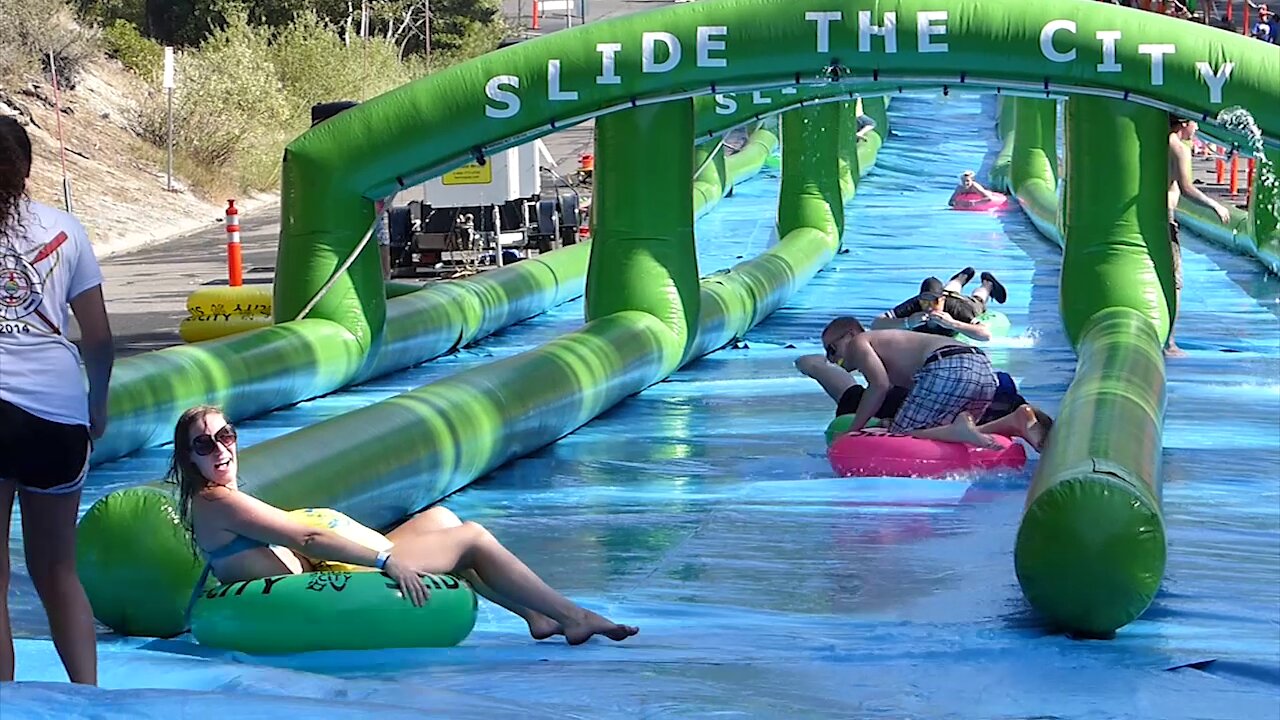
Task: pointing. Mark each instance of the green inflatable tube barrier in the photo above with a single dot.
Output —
(1090, 551)
(721, 172)
(259, 371)
(711, 181)
(295, 613)
(998, 177)
(1033, 164)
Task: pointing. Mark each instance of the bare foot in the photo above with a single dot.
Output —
(1029, 428)
(967, 432)
(1173, 351)
(581, 629)
(542, 627)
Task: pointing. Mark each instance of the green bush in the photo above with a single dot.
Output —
(248, 90)
(228, 104)
(143, 56)
(314, 65)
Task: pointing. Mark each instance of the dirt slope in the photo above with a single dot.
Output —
(117, 181)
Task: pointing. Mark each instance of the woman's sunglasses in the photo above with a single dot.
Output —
(204, 444)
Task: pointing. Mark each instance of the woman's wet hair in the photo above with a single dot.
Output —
(182, 469)
(15, 166)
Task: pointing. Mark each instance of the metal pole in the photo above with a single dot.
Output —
(426, 29)
(62, 147)
(170, 169)
(167, 80)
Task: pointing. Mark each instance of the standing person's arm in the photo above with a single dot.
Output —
(97, 348)
(1182, 158)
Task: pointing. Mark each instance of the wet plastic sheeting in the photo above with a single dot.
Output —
(704, 511)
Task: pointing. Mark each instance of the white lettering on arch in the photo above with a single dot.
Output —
(1109, 64)
(1157, 51)
(824, 20)
(1046, 40)
(608, 74)
(554, 93)
(726, 104)
(889, 31)
(925, 29)
(1215, 80)
(707, 45)
(649, 50)
(510, 102)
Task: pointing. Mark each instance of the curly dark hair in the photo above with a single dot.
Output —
(15, 166)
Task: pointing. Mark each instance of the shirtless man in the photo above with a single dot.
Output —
(949, 384)
(1181, 131)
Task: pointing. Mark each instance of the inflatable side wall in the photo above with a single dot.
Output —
(1090, 552)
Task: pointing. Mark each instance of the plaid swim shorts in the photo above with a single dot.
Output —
(952, 380)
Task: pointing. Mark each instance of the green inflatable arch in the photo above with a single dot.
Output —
(333, 172)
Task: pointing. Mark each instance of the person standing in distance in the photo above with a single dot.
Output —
(48, 419)
(1181, 131)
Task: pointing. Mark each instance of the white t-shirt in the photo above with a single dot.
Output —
(41, 271)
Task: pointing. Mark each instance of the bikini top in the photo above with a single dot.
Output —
(238, 544)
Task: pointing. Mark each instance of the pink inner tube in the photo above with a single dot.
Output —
(976, 201)
(876, 453)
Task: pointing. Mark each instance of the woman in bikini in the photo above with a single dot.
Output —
(244, 538)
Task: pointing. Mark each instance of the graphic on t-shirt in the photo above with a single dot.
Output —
(22, 284)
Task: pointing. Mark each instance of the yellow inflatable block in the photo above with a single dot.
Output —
(243, 301)
(197, 330)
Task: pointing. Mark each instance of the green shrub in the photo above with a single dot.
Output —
(143, 56)
(314, 65)
(228, 103)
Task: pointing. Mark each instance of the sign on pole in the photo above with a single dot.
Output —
(168, 87)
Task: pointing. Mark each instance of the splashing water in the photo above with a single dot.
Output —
(1267, 190)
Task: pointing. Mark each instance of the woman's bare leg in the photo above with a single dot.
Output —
(440, 517)
(49, 526)
(472, 547)
(7, 490)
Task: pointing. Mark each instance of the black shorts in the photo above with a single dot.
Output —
(40, 455)
(848, 404)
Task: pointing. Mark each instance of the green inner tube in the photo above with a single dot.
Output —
(996, 321)
(842, 423)
(331, 611)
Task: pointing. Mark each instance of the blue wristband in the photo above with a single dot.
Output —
(383, 557)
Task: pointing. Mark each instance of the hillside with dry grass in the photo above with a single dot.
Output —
(247, 77)
(117, 181)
